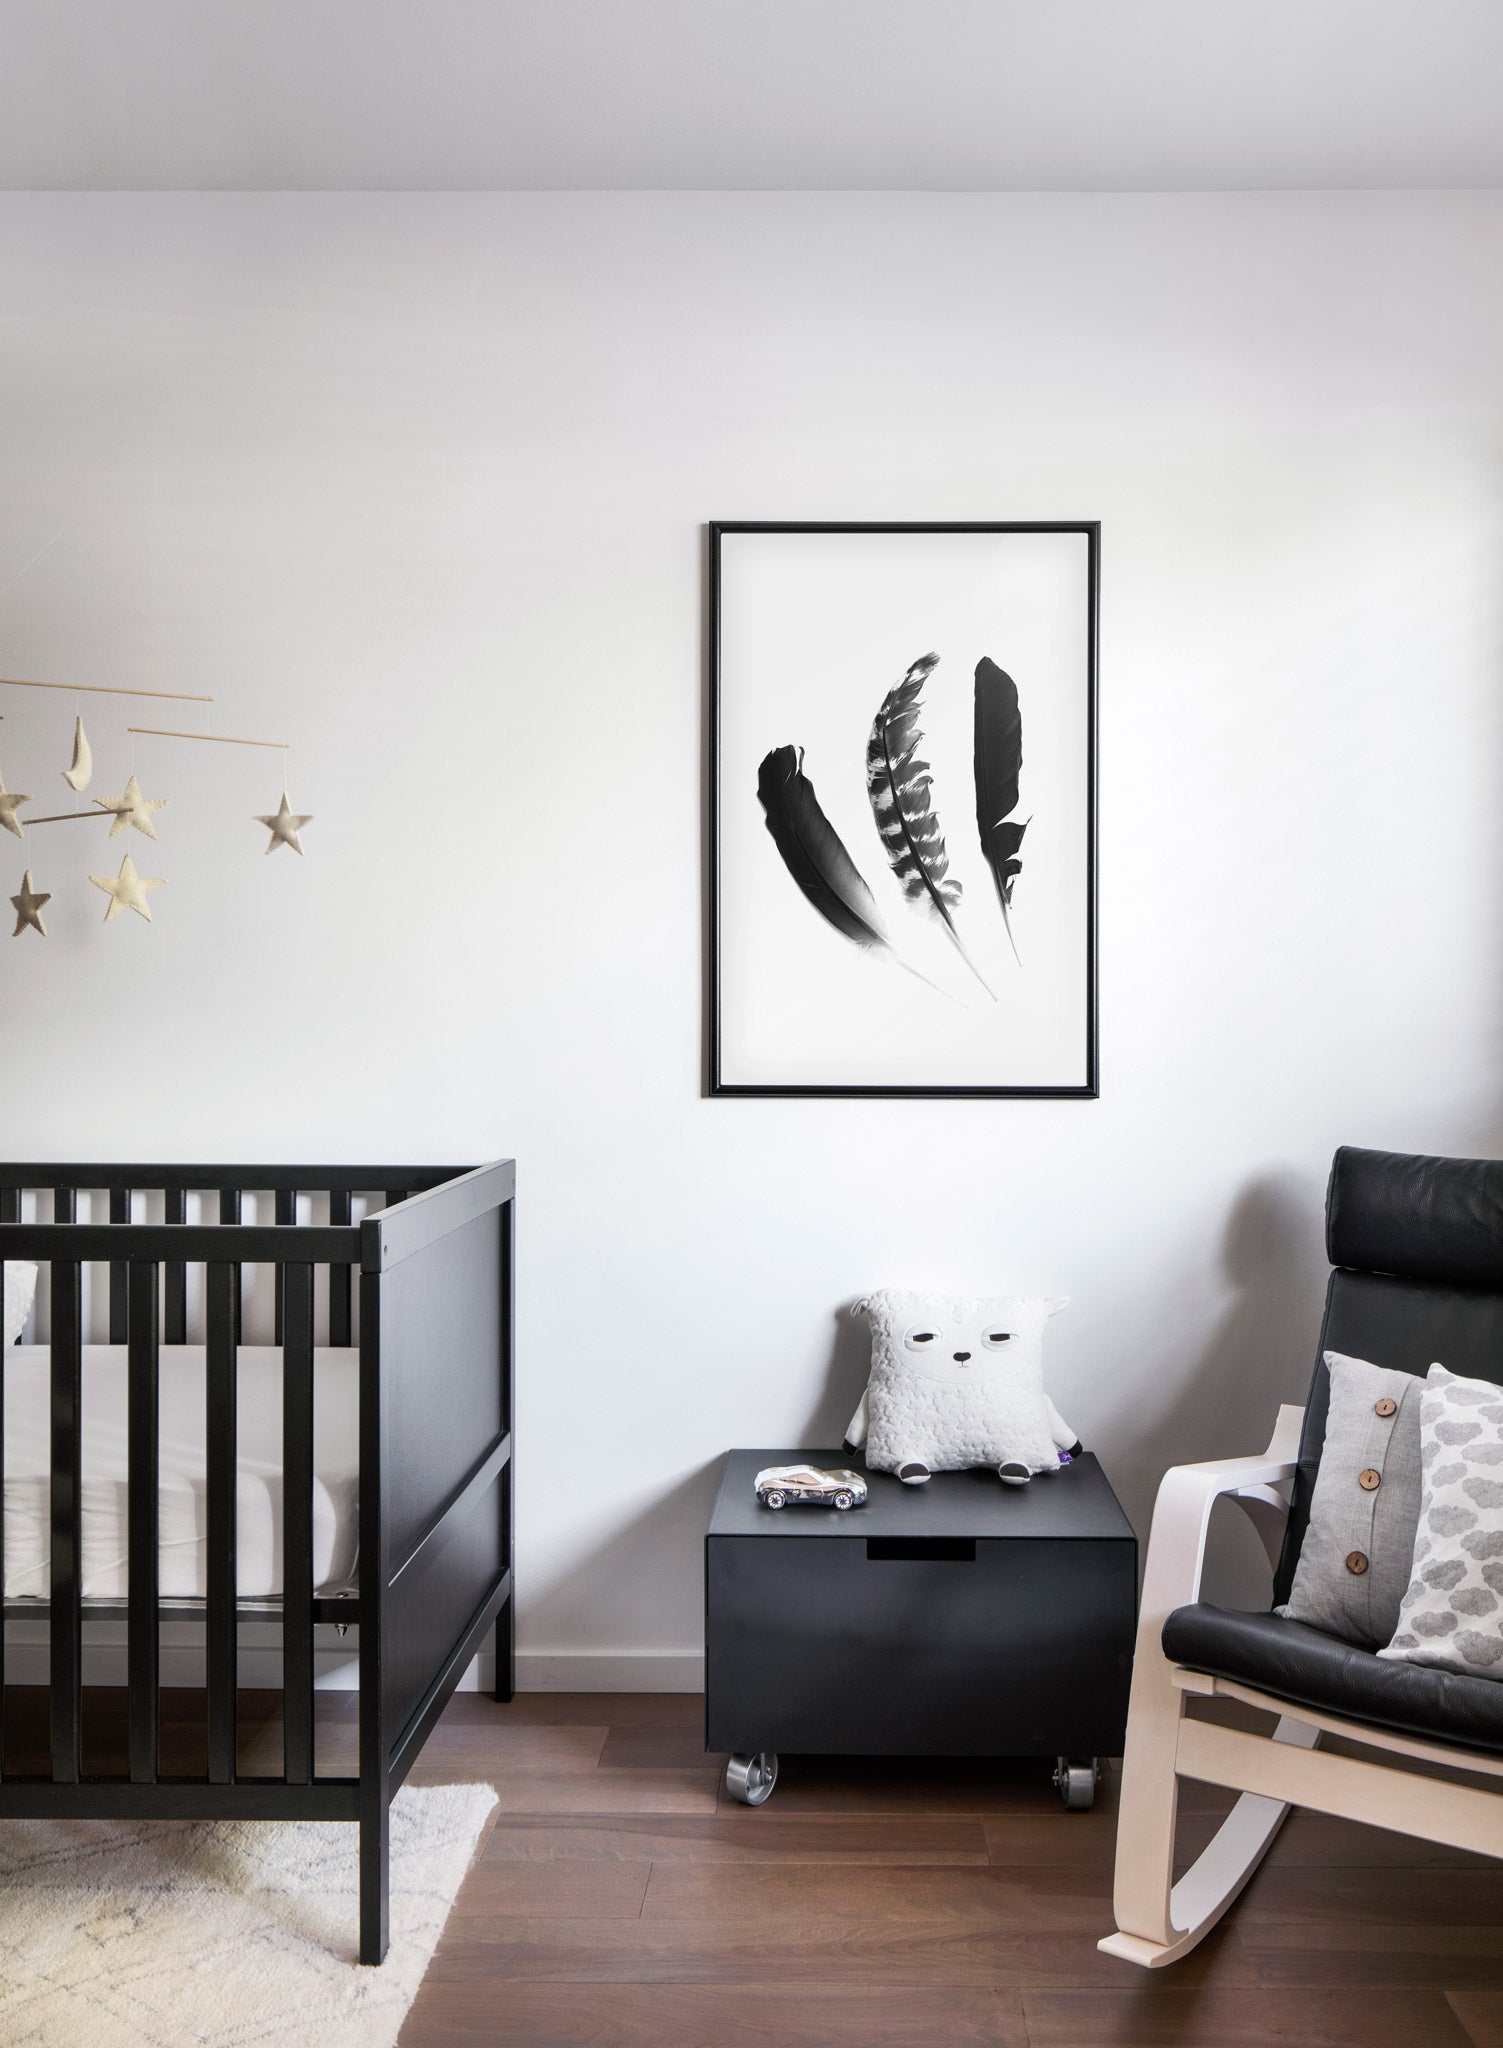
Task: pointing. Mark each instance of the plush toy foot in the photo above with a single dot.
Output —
(1013, 1475)
(848, 1447)
(913, 1474)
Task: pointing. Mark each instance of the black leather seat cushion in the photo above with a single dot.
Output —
(1310, 1669)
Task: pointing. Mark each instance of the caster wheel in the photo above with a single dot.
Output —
(774, 1499)
(751, 1778)
(845, 1500)
(1075, 1779)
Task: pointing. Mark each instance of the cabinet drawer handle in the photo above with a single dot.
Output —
(921, 1549)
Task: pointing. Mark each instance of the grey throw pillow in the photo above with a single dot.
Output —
(1354, 1564)
(1452, 1614)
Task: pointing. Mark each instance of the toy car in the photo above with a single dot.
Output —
(809, 1486)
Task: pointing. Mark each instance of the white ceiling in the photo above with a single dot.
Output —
(932, 95)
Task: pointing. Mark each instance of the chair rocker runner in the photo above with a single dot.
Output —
(1417, 1248)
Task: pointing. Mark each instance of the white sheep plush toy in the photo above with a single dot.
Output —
(956, 1383)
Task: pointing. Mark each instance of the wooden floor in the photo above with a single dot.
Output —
(619, 1901)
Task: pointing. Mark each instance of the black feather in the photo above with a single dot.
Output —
(813, 850)
(999, 761)
(815, 855)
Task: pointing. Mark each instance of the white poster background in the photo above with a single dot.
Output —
(814, 630)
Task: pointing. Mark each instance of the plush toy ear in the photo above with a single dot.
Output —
(1055, 1303)
(859, 1308)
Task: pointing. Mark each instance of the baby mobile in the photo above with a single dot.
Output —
(133, 811)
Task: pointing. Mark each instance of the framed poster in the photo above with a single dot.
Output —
(903, 829)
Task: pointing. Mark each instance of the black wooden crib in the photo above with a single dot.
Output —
(423, 1284)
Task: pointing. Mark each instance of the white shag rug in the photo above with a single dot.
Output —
(220, 1934)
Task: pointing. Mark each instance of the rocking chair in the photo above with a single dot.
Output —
(1417, 1247)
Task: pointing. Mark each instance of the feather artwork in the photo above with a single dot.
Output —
(999, 761)
(815, 854)
(898, 783)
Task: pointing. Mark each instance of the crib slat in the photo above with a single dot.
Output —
(339, 1276)
(286, 1212)
(10, 1205)
(175, 1321)
(119, 1312)
(65, 1611)
(65, 1205)
(297, 1527)
(142, 1588)
(222, 1454)
(229, 1212)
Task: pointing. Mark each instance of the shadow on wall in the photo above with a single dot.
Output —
(845, 1380)
(1261, 1354)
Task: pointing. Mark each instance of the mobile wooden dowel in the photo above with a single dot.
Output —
(64, 817)
(220, 739)
(103, 690)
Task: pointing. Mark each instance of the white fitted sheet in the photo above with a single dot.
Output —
(182, 1499)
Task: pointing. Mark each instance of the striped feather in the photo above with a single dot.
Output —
(898, 784)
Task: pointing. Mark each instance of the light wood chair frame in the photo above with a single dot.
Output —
(1159, 1920)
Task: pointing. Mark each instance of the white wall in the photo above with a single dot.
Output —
(419, 484)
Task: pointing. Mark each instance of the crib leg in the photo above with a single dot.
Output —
(375, 1881)
(506, 1662)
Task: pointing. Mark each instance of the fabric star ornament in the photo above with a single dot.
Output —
(9, 805)
(284, 825)
(128, 890)
(131, 809)
(29, 907)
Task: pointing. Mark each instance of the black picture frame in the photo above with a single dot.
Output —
(716, 1082)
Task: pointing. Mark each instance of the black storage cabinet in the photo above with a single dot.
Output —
(960, 1618)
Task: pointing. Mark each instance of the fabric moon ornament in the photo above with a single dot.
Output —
(957, 1382)
(81, 773)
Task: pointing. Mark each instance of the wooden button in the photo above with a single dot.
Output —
(1369, 1480)
(1356, 1563)
(1385, 1407)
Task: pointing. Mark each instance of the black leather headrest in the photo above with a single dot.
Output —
(1429, 1219)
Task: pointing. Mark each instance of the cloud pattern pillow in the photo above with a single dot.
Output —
(1452, 1615)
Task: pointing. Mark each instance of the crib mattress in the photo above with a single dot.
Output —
(183, 1499)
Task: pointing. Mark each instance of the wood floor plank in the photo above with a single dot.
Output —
(575, 1890)
(781, 1838)
(1164, 2016)
(629, 1747)
(1373, 1957)
(1481, 2014)
(1033, 1841)
(1331, 1898)
(1320, 1839)
(749, 2015)
(601, 1791)
(1047, 1900)
(838, 1951)
(469, 1753)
